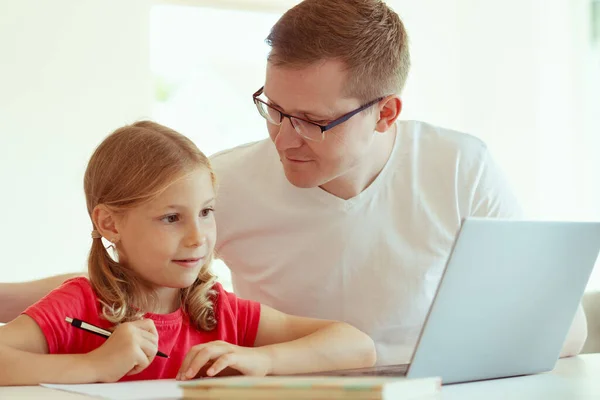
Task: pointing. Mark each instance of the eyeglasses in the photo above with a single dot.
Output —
(305, 128)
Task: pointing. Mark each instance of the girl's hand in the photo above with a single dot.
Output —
(246, 360)
(129, 350)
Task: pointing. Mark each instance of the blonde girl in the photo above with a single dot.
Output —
(151, 198)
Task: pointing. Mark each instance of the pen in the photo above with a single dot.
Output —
(77, 323)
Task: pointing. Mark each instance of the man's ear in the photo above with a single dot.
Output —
(105, 222)
(391, 107)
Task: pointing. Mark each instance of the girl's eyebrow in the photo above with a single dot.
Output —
(179, 207)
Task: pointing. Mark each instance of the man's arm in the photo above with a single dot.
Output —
(16, 297)
(577, 335)
(493, 197)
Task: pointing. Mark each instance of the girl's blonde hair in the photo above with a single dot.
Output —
(131, 166)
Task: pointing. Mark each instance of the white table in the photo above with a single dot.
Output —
(573, 378)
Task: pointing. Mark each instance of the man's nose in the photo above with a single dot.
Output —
(285, 136)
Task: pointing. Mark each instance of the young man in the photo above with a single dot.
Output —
(347, 213)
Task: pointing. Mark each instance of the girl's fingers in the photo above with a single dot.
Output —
(142, 362)
(149, 348)
(149, 336)
(146, 325)
(199, 356)
(203, 356)
(226, 360)
(185, 365)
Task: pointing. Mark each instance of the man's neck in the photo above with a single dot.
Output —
(362, 176)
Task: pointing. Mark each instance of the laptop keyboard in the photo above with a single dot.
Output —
(384, 370)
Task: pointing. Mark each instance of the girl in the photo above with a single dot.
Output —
(151, 193)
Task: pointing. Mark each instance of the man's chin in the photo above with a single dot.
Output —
(301, 180)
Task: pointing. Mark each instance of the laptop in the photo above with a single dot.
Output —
(505, 302)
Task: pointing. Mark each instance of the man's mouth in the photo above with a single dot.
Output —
(297, 160)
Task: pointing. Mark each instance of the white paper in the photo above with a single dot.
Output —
(137, 390)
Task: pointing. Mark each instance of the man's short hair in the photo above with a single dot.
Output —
(366, 35)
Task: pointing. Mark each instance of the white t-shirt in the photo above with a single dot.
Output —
(373, 261)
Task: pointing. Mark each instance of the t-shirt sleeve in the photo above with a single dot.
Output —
(491, 194)
(243, 315)
(75, 298)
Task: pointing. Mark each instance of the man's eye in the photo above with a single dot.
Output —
(170, 218)
(206, 212)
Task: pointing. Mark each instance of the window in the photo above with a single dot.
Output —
(206, 64)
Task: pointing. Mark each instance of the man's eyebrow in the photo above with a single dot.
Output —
(316, 115)
(208, 201)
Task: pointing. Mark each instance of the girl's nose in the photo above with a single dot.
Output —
(196, 238)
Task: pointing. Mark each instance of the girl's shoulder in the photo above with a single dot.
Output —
(75, 298)
(222, 299)
(78, 282)
(78, 286)
(74, 293)
(227, 298)
(243, 314)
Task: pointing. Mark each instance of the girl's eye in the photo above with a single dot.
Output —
(206, 212)
(170, 218)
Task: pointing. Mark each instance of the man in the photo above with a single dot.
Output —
(348, 213)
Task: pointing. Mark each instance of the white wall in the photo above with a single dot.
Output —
(516, 73)
(70, 72)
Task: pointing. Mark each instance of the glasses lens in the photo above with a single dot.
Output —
(268, 113)
(308, 130)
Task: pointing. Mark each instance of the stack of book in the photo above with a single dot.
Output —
(314, 387)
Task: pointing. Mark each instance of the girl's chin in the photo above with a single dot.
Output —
(181, 283)
(185, 282)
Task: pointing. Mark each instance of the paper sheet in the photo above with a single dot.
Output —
(138, 390)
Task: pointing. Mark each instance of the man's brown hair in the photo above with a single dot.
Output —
(366, 35)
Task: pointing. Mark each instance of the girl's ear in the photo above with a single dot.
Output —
(105, 222)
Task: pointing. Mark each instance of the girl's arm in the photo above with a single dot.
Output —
(297, 345)
(284, 345)
(24, 359)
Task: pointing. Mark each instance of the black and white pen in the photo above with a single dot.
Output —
(77, 323)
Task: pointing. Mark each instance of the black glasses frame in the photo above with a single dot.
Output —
(323, 128)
